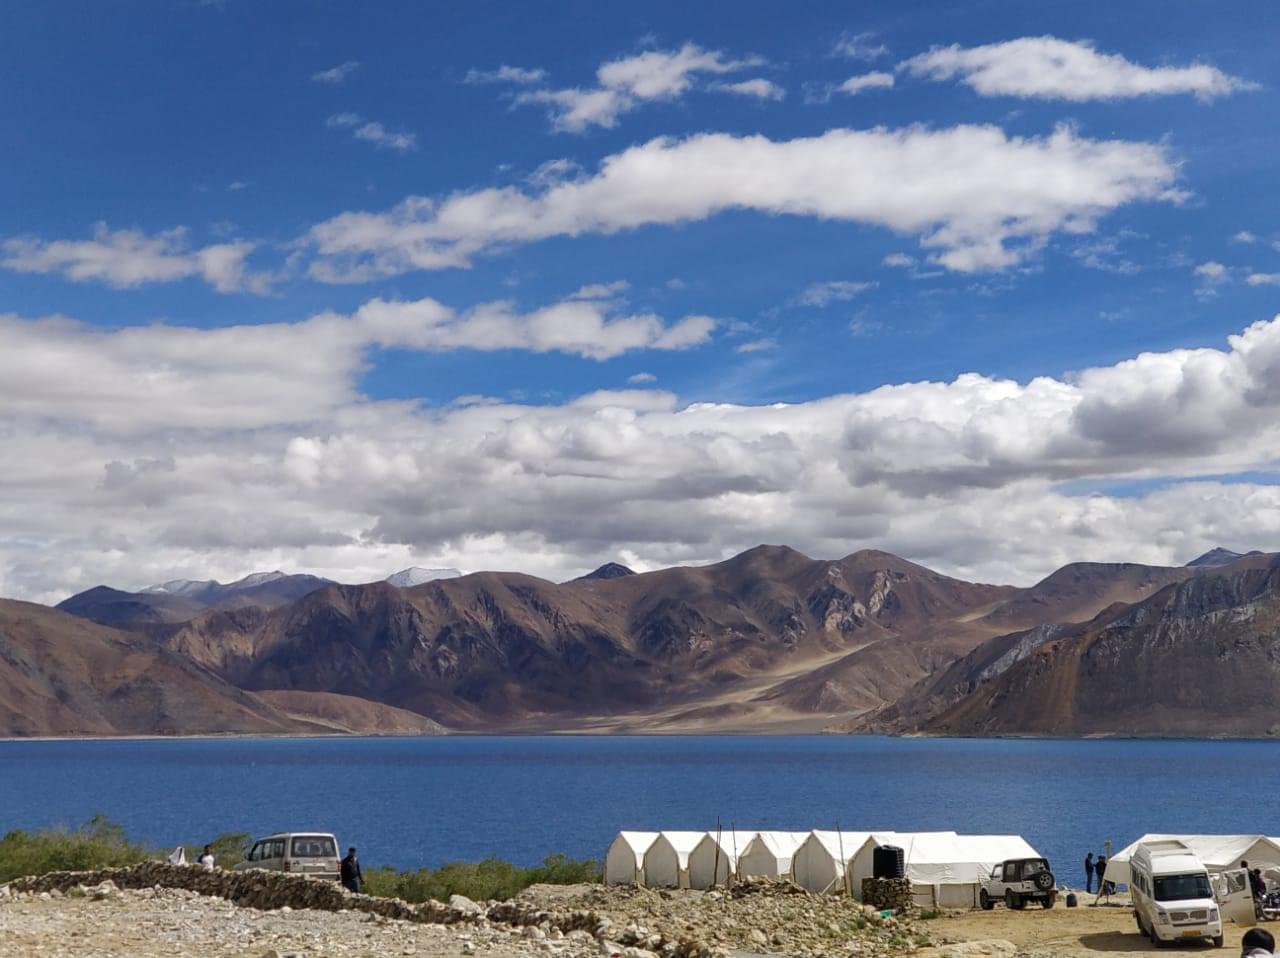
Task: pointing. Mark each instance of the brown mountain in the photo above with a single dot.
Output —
(62, 675)
(1201, 657)
(747, 642)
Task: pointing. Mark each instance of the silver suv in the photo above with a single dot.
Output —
(1018, 881)
(311, 854)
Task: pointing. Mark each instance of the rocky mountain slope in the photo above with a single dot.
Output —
(767, 640)
(1200, 657)
(62, 675)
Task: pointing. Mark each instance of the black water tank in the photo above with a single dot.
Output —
(889, 861)
(1071, 900)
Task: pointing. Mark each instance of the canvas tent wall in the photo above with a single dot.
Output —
(946, 870)
(1218, 852)
(624, 861)
(769, 854)
(666, 863)
(827, 861)
(713, 862)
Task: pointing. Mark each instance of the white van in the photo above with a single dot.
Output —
(1172, 895)
(311, 854)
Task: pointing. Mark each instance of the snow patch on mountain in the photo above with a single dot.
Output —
(416, 575)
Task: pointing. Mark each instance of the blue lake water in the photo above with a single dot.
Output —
(410, 802)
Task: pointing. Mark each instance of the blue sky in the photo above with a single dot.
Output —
(143, 137)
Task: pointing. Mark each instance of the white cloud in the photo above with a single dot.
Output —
(235, 186)
(859, 46)
(1263, 279)
(1214, 272)
(505, 74)
(1244, 236)
(834, 291)
(995, 200)
(867, 81)
(1050, 68)
(627, 82)
(338, 74)
(899, 260)
(372, 132)
(134, 454)
(126, 259)
(759, 87)
(757, 346)
(640, 379)
(601, 290)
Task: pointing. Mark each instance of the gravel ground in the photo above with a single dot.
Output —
(167, 923)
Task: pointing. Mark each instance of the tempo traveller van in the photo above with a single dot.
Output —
(1172, 896)
(311, 854)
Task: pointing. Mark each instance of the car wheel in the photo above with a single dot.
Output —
(1048, 900)
(985, 900)
(1010, 899)
(1217, 941)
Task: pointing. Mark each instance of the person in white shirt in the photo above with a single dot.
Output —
(206, 858)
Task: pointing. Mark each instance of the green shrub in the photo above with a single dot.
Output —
(100, 843)
(96, 844)
(479, 881)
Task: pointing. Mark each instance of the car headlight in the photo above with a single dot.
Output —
(1162, 918)
(1213, 914)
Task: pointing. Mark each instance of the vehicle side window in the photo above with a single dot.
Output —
(255, 853)
(277, 848)
(1010, 871)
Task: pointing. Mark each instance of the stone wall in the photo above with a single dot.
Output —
(883, 893)
(268, 890)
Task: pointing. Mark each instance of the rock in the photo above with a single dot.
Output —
(468, 948)
(534, 932)
(637, 953)
(988, 948)
(611, 949)
(464, 905)
(758, 937)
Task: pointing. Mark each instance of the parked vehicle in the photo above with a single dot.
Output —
(1018, 881)
(1173, 898)
(311, 854)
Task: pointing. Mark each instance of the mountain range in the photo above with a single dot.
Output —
(769, 640)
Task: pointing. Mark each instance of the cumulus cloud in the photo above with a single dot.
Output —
(372, 132)
(759, 87)
(996, 199)
(833, 291)
(625, 83)
(251, 376)
(757, 345)
(336, 75)
(642, 378)
(866, 81)
(126, 259)
(1263, 279)
(1050, 68)
(1244, 236)
(117, 471)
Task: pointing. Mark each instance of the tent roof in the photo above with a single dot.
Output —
(850, 843)
(780, 844)
(726, 844)
(638, 842)
(1214, 851)
(683, 842)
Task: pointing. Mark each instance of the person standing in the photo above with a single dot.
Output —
(206, 858)
(1099, 872)
(1088, 872)
(351, 876)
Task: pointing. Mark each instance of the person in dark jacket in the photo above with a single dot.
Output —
(1100, 870)
(351, 876)
(1088, 872)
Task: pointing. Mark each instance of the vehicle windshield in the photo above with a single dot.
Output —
(1034, 867)
(313, 846)
(1182, 887)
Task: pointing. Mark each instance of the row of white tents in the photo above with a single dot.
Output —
(945, 869)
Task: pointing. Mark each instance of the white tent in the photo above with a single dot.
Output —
(769, 854)
(624, 861)
(829, 861)
(666, 863)
(1218, 852)
(946, 870)
(713, 862)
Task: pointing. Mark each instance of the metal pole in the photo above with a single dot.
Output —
(715, 868)
(734, 832)
(844, 869)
